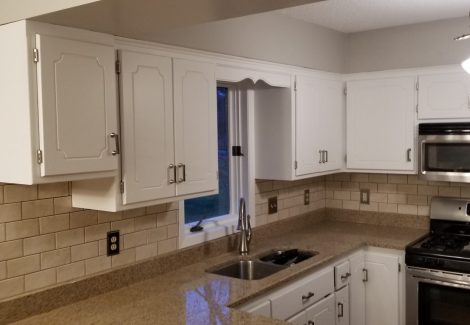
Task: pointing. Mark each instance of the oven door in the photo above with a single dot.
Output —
(444, 157)
(436, 297)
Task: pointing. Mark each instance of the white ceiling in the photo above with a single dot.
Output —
(351, 16)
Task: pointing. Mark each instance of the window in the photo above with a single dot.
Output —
(219, 212)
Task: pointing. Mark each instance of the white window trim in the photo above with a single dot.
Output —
(223, 225)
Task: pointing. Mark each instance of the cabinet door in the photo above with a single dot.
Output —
(357, 289)
(77, 106)
(299, 319)
(382, 291)
(445, 95)
(342, 306)
(263, 309)
(323, 312)
(381, 123)
(147, 126)
(195, 115)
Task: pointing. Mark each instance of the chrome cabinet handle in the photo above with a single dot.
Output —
(311, 322)
(117, 149)
(340, 310)
(366, 275)
(171, 174)
(181, 179)
(308, 296)
(408, 155)
(345, 276)
(321, 156)
(326, 155)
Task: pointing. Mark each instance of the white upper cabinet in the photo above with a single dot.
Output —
(195, 126)
(58, 112)
(444, 95)
(381, 124)
(147, 122)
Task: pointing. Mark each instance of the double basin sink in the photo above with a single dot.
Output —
(263, 265)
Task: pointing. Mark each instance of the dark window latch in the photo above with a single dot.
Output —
(237, 151)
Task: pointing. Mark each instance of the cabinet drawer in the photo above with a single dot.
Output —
(294, 298)
(342, 275)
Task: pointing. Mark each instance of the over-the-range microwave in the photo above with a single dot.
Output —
(444, 152)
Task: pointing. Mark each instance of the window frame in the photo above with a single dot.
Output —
(220, 226)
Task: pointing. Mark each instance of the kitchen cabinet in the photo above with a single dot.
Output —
(357, 289)
(342, 306)
(299, 319)
(444, 95)
(58, 115)
(261, 308)
(381, 124)
(322, 313)
(168, 120)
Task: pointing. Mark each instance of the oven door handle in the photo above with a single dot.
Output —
(442, 281)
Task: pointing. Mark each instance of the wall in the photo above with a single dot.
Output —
(418, 45)
(271, 37)
(44, 241)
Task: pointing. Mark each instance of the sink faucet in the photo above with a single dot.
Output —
(245, 229)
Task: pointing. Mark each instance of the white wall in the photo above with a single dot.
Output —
(419, 45)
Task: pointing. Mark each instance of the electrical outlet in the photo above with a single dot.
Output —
(365, 196)
(306, 197)
(112, 243)
(272, 205)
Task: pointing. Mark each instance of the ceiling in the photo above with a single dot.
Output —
(351, 16)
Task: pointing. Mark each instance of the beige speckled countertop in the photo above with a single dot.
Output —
(189, 295)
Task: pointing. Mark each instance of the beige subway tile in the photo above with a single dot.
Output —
(83, 218)
(39, 244)
(41, 279)
(359, 177)
(427, 190)
(133, 213)
(54, 223)
(352, 186)
(465, 192)
(10, 212)
(260, 209)
(413, 179)
(11, 249)
(423, 210)
(173, 229)
(104, 216)
(351, 205)
(388, 207)
(345, 177)
(378, 178)
(146, 251)
(96, 232)
(22, 229)
(55, 258)
(2, 232)
(124, 257)
(103, 247)
(264, 186)
(378, 197)
(397, 198)
(23, 265)
(63, 205)
(372, 187)
(84, 251)
(342, 195)
(261, 220)
(157, 234)
(70, 237)
(397, 179)
(134, 239)
(372, 206)
(333, 185)
(408, 209)
(70, 271)
(336, 204)
(172, 206)
(18, 193)
(156, 209)
(167, 218)
(407, 189)
(449, 191)
(97, 264)
(11, 287)
(284, 214)
(329, 194)
(293, 201)
(417, 199)
(145, 222)
(37, 208)
(3, 270)
(53, 190)
(437, 183)
(167, 246)
(1, 194)
(387, 188)
(124, 226)
(355, 196)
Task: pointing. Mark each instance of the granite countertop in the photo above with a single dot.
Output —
(189, 295)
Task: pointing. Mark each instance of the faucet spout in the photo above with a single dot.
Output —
(244, 226)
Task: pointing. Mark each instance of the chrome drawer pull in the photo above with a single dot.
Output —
(340, 310)
(308, 296)
(345, 276)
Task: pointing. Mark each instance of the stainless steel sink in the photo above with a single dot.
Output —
(247, 270)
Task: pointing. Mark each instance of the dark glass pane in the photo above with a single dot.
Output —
(215, 205)
(447, 157)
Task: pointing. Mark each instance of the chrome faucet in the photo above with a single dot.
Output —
(245, 229)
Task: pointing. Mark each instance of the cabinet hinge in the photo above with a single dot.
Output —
(35, 55)
(399, 267)
(416, 107)
(345, 91)
(295, 85)
(118, 67)
(39, 156)
(295, 164)
(417, 85)
(345, 158)
(121, 187)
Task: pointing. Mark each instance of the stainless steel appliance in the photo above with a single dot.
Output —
(444, 151)
(438, 267)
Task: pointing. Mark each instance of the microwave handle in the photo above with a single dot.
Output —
(408, 155)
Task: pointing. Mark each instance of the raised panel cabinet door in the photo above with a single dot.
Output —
(147, 126)
(299, 319)
(357, 289)
(262, 309)
(342, 306)
(381, 124)
(382, 291)
(77, 106)
(307, 125)
(444, 95)
(195, 114)
(323, 312)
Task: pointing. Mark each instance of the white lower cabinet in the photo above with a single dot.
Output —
(261, 308)
(299, 319)
(323, 312)
(342, 306)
